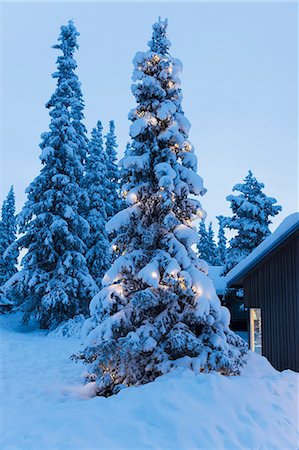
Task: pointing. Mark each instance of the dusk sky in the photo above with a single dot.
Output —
(239, 85)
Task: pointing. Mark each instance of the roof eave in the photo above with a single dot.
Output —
(237, 280)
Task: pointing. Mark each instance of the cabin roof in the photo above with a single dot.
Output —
(287, 227)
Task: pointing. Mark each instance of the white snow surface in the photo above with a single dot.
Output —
(287, 224)
(44, 404)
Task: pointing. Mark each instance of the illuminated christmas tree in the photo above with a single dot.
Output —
(158, 309)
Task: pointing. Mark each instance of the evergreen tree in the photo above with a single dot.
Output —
(8, 229)
(252, 210)
(214, 257)
(54, 284)
(221, 242)
(114, 203)
(203, 244)
(96, 184)
(158, 307)
(66, 73)
(207, 249)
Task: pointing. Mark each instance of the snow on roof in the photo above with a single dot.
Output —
(282, 232)
(219, 281)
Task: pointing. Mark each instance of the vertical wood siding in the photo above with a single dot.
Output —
(274, 287)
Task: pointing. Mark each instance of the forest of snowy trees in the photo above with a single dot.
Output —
(124, 242)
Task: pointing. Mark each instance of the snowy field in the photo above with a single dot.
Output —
(45, 407)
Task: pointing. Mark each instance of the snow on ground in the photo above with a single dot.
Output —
(45, 407)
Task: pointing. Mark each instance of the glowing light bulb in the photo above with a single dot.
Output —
(154, 275)
(132, 197)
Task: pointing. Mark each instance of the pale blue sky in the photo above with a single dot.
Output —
(239, 85)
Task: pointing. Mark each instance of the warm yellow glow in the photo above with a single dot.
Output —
(132, 197)
(170, 84)
(197, 290)
(125, 193)
(156, 58)
(183, 285)
(162, 188)
(154, 275)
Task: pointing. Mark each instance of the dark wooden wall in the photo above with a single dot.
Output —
(274, 287)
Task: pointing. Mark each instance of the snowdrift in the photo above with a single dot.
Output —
(45, 406)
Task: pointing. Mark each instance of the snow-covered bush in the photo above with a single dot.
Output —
(157, 309)
(72, 328)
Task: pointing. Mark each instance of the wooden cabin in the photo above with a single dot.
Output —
(270, 279)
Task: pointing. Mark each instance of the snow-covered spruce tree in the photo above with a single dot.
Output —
(158, 309)
(207, 249)
(252, 210)
(54, 284)
(66, 72)
(114, 202)
(214, 257)
(96, 184)
(203, 243)
(221, 242)
(8, 229)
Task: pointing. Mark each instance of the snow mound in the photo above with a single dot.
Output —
(46, 406)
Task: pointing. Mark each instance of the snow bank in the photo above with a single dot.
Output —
(46, 405)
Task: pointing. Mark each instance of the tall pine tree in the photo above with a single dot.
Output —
(252, 210)
(158, 306)
(214, 257)
(113, 203)
(203, 244)
(96, 184)
(222, 250)
(55, 284)
(8, 229)
(207, 249)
